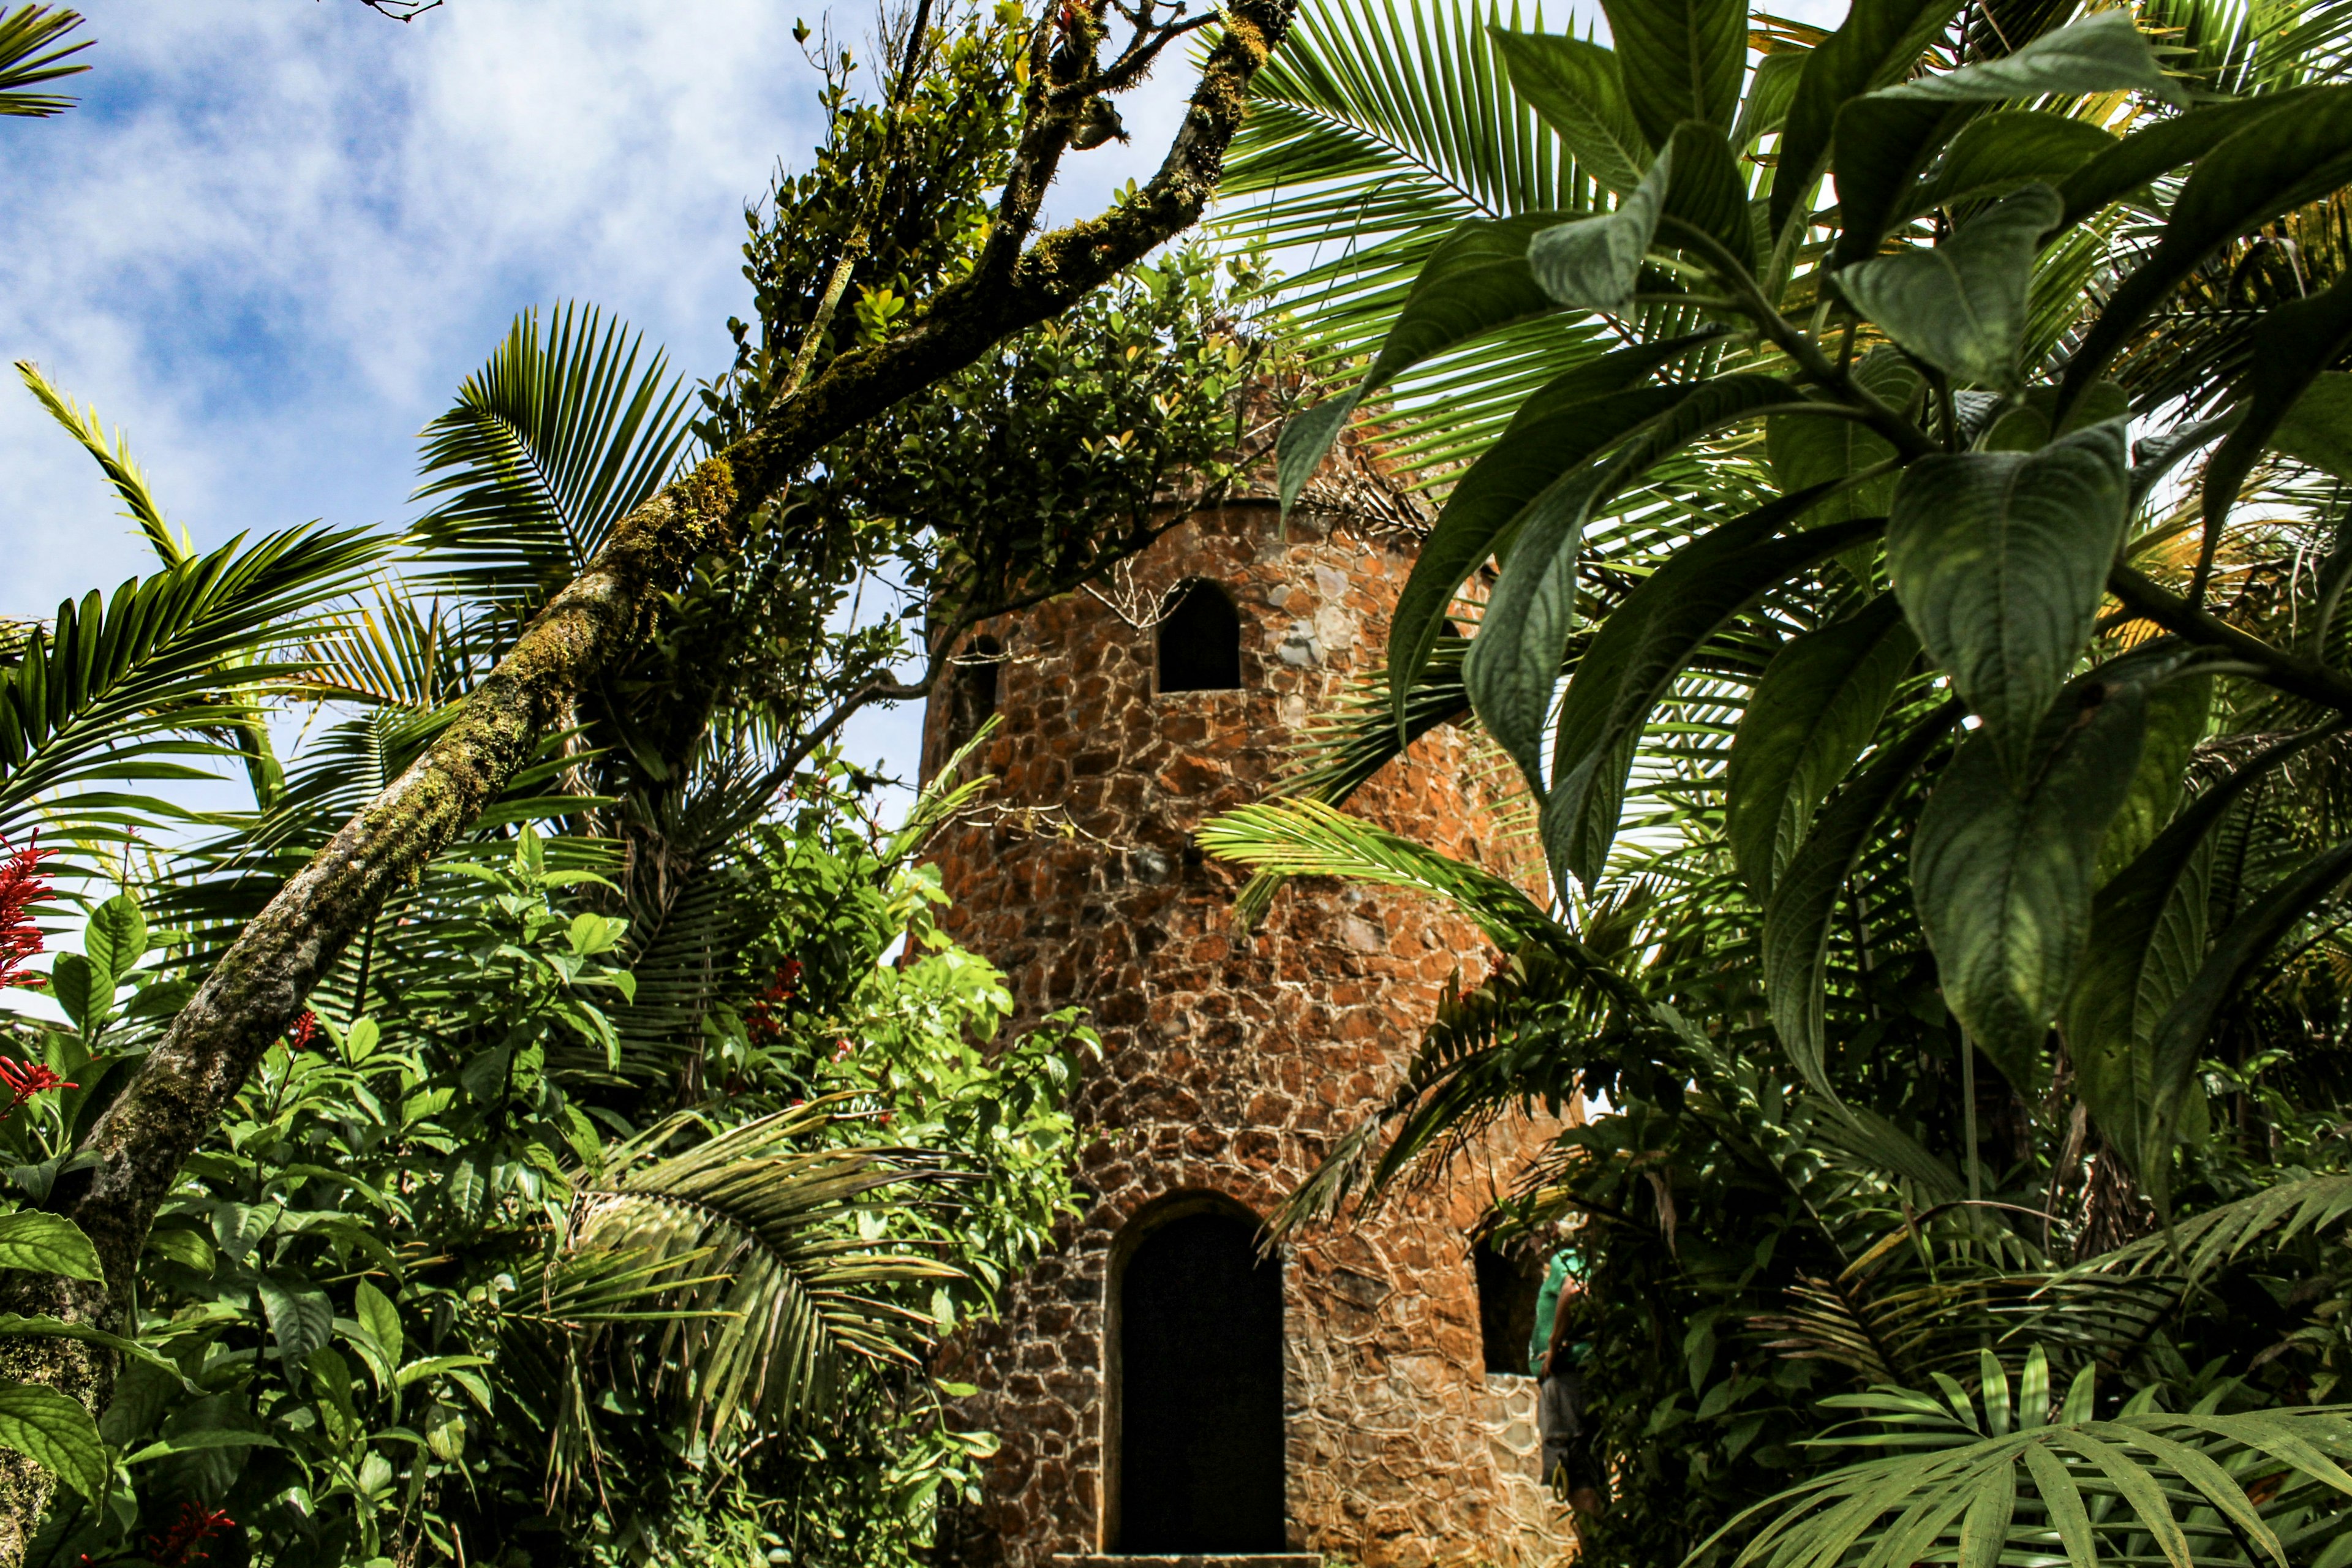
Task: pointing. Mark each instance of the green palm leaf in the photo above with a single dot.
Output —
(114, 688)
(548, 446)
(794, 1294)
(30, 54)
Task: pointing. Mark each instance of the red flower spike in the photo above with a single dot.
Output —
(305, 1030)
(184, 1542)
(21, 887)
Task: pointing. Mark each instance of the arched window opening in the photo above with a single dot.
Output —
(1200, 640)
(1508, 1287)
(971, 691)
(1199, 1392)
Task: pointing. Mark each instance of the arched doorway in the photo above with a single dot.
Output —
(1200, 1387)
(1200, 640)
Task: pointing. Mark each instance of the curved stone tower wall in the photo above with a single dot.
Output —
(1232, 1063)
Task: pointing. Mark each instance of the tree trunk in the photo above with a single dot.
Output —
(134, 1153)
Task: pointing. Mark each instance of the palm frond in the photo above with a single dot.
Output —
(173, 546)
(779, 1233)
(114, 686)
(2199, 1246)
(31, 53)
(2008, 1474)
(549, 444)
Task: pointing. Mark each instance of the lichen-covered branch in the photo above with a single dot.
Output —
(133, 1153)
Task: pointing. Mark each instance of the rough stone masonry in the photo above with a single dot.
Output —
(1231, 1062)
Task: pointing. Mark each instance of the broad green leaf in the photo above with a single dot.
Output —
(300, 1317)
(184, 1247)
(2148, 939)
(42, 1328)
(2179, 711)
(200, 1441)
(2319, 429)
(1571, 419)
(1817, 707)
(1681, 60)
(75, 984)
(2160, 148)
(1771, 91)
(2002, 873)
(1593, 263)
(1476, 282)
(1994, 154)
(1962, 305)
(1644, 645)
(1708, 193)
(1576, 86)
(1806, 452)
(2027, 425)
(47, 1243)
(1878, 43)
(2267, 166)
(1885, 147)
(434, 1366)
(1513, 664)
(116, 938)
(1804, 897)
(240, 1228)
(38, 1421)
(2104, 52)
(2293, 343)
(2000, 559)
(381, 1319)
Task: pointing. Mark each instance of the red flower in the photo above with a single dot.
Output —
(305, 1030)
(26, 1080)
(761, 1023)
(21, 887)
(184, 1542)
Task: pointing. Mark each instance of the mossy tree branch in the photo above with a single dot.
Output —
(133, 1153)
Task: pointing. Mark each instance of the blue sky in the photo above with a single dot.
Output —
(277, 232)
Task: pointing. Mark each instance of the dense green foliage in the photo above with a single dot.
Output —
(1914, 607)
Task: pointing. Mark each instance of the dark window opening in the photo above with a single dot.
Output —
(971, 691)
(1200, 1360)
(1508, 1286)
(1200, 641)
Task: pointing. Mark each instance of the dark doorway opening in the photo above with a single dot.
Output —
(1200, 641)
(1508, 1287)
(1200, 1360)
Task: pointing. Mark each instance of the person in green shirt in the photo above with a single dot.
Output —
(1559, 1362)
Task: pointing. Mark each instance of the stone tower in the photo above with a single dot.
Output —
(1160, 1388)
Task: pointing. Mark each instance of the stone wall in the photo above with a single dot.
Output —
(1231, 1062)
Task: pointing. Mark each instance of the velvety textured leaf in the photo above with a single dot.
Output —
(1681, 60)
(47, 1243)
(1593, 263)
(38, 1421)
(1817, 707)
(1476, 282)
(1640, 650)
(1771, 91)
(1885, 147)
(1994, 154)
(1962, 305)
(1513, 664)
(2000, 559)
(2269, 165)
(1878, 43)
(2028, 425)
(2148, 939)
(2179, 711)
(1576, 86)
(2319, 429)
(2293, 344)
(2002, 874)
(1805, 896)
(116, 937)
(1571, 419)
(2104, 52)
